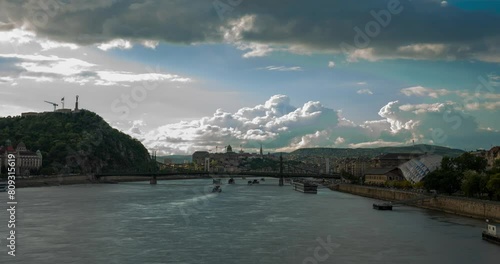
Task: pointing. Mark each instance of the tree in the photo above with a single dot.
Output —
(471, 185)
(467, 161)
(496, 167)
(444, 181)
(494, 185)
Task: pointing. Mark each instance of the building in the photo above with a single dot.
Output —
(380, 176)
(412, 171)
(61, 110)
(416, 169)
(26, 160)
(491, 155)
(199, 159)
(391, 160)
(228, 161)
(353, 166)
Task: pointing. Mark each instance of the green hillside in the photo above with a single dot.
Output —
(80, 142)
(372, 152)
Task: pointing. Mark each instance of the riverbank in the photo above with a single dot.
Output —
(474, 208)
(87, 179)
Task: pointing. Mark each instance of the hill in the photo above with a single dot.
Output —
(373, 152)
(78, 142)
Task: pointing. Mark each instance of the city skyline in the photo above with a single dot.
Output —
(183, 78)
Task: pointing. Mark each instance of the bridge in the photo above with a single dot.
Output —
(304, 173)
(153, 176)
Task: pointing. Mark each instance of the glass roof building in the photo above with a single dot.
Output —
(416, 169)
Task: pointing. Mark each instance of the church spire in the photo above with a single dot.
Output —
(261, 153)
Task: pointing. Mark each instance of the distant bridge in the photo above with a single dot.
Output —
(204, 174)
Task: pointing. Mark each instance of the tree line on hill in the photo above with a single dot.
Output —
(76, 143)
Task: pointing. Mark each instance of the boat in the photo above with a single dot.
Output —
(490, 234)
(255, 182)
(231, 181)
(262, 179)
(249, 182)
(383, 206)
(305, 187)
(3, 186)
(216, 189)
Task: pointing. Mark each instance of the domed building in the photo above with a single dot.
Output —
(26, 160)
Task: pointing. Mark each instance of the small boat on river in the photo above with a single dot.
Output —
(382, 206)
(490, 234)
(216, 189)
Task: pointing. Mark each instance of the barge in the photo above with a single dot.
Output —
(305, 187)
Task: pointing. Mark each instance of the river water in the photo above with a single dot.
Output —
(183, 222)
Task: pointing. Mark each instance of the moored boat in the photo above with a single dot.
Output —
(490, 234)
(382, 206)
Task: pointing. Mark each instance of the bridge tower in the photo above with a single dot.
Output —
(281, 182)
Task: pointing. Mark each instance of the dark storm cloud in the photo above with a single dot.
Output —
(420, 29)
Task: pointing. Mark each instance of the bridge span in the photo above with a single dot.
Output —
(153, 176)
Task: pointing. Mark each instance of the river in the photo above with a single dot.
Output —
(181, 221)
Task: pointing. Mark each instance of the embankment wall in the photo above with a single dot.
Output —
(456, 205)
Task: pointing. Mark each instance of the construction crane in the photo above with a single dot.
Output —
(54, 104)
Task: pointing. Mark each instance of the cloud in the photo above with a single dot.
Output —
(376, 144)
(364, 91)
(116, 43)
(339, 140)
(260, 27)
(43, 68)
(282, 68)
(484, 97)
(422, 91)
(331, 64)
(276, 123)
(281, 126)
(440, 123)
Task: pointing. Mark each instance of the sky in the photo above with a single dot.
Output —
(183, 76)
